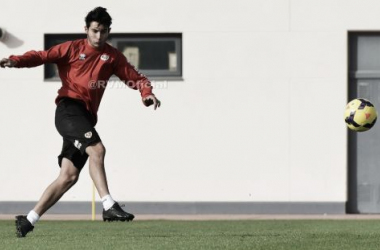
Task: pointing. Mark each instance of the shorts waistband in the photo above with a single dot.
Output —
(64, 99)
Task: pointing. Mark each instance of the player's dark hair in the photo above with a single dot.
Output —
(100, 15)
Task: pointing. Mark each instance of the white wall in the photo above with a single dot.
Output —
(258, 116)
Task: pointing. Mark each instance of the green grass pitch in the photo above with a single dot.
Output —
(161, 234)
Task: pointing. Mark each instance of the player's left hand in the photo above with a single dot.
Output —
(151, 100)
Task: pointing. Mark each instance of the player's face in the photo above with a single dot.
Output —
(97, 34)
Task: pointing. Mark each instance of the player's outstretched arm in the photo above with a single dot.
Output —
(6, 62)
(151, 100)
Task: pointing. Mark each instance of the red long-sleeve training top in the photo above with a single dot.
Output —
(85, 71)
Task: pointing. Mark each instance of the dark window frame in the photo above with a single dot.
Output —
(114, 38)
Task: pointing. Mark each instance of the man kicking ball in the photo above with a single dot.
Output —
(84, 66)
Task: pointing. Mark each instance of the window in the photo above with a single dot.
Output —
(158, 56)
(154, 55)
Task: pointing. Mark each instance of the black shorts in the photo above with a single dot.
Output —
(76, 125)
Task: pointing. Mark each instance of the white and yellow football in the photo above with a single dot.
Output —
(360, 115)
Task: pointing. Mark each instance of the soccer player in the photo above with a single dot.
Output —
(84, 66)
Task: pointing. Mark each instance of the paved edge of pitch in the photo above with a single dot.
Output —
(202, 217)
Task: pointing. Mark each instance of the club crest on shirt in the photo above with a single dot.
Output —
(88, 135)
(104, 57)
(82, 56)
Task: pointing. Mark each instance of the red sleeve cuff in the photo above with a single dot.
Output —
(16, 59)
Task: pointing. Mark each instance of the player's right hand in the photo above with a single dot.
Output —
(6, 62)
(151, 100)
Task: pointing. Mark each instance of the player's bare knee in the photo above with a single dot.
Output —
(97, 151)
(68, 181)
(71, 180)
(102, 151)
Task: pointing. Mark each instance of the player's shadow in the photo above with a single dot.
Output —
(12, 41)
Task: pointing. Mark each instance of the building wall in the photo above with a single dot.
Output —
(258, 116)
